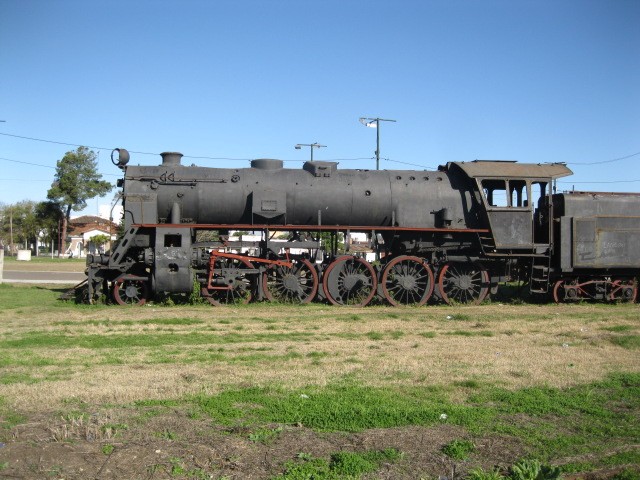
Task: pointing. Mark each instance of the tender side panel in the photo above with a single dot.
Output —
(606, 242)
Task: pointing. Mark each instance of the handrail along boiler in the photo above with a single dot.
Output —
(448, 235)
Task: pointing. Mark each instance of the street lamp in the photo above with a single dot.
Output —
(375, 123)
(310, 145)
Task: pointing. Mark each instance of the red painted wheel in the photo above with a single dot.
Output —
(407, 280)
(568, 290)
(463, 283)
(349, 281)
(295, 284)
(130, 292)
(231, 284)
(623, 290)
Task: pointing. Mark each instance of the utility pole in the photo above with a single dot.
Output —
(310, 145)
(375, 123)
(11, 229)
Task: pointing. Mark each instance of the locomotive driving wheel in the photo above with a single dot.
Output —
(130, 291)
(463, 283)
(295, 284)
(349, 281)
(407, 280)
(623, 290)
(230, 284)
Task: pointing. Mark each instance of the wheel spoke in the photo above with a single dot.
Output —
(463, 283)
(349, 281)
(407, 280)
(130, 292)
(295, 284)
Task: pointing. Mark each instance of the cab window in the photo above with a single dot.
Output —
(506, 193)
(495, 191)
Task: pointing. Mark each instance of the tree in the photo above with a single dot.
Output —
(19, 225)
(76, 181)
(100, 240)
(49, 215)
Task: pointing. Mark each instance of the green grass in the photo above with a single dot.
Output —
(130, 323)
(375, 335)
(45, 259)
(427, 334)
(341, 465)
(9, 418)
(265, 435)
(108, 449)
(13, 297)
(631, 342)
(618, 328)
(628, 473)
(459, 449)
(471, 333)
(468, 384)
(549, 422)
(597, 421)
(60, 340)
(8, 378)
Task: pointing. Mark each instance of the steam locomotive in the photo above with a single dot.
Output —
(450, 235)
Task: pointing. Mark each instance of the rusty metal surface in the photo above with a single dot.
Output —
(606, 242)
(602, 194)
(484, 169)
(276, 228)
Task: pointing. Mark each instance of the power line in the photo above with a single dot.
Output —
(195, 157)
(26, 163)
(601, 182)
(204, 157)
(367, 158)
(46, 166)
(604, 161)
(22, 180)
(411, 164)
(69, 144)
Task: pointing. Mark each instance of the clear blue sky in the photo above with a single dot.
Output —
(534, 81)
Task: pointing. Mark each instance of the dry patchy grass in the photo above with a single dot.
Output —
(118, 355)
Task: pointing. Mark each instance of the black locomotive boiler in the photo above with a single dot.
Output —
(451, 235)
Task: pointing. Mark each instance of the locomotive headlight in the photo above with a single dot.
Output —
(123, 157)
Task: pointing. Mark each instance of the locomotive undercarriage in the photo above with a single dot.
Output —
(411, 268)
(620, 287)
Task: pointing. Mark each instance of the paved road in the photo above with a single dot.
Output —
(20, 276)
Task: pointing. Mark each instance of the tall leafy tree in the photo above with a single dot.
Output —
(49, 215)
(76, 181)
(19, 224)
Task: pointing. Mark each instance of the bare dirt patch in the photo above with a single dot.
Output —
(175, 446)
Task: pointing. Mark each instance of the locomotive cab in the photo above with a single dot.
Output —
(515, 199)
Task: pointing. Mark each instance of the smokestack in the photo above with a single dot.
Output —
(171, 158)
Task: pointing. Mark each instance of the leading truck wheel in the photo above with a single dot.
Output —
(349, 281)
(130, 292)
(295, 284)
(407, 280)
(463, 283)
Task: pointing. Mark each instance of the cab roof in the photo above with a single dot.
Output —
(511, 169)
